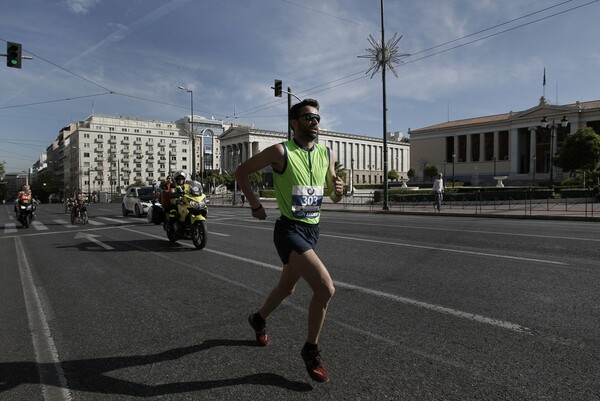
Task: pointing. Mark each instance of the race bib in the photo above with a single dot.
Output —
(306, 201)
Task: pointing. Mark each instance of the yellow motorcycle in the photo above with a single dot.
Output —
(186, 218)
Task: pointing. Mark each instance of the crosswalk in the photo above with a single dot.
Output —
(13, 227)
(37, 225)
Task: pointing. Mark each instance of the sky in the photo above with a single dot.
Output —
(461, 59)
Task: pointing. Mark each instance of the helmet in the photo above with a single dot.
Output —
(180, 174)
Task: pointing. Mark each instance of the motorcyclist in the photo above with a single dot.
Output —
(80, 202)
(178, 188)
(24, 196)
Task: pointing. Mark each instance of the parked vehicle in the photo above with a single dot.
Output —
(138, 200)
(186, 218)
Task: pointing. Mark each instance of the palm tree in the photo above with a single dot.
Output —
(340, 171)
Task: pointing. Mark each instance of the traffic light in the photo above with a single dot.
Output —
(278, 88)
(13, 55)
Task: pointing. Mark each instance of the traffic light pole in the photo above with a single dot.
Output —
(278, 93)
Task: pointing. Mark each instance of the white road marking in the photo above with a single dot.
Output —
(92, 238)
(10, 228)
(46, 355)
(64, 222)
(432, 307)
(112, 220)
(38, 225)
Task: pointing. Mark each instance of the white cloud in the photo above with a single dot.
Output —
(81, 6)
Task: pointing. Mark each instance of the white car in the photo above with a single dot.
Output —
(138, 200)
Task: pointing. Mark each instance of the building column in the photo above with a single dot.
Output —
(514, 150)
(533, 148)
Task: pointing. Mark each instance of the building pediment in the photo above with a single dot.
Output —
(545, 110)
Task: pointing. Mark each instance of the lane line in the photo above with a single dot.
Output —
(408, 301)
(52, 376)
(402, 244)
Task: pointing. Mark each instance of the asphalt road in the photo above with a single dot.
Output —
(427, 307)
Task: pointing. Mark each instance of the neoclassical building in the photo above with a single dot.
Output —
(517, 145)
(107, 153)
(361, 156)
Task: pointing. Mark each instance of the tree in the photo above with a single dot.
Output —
(430, 171)
(45, 184)
(340, 170)
(580, 151)
(410, 173)
(393, 175)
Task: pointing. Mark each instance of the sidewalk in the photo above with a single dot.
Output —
(548, 210)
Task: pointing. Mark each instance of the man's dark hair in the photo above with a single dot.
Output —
(295, 110)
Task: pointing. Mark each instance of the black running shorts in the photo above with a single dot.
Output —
(290, 235)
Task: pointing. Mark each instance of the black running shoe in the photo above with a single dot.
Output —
(314, 365)
(260, 329)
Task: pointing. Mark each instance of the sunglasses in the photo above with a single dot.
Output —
(311, 116)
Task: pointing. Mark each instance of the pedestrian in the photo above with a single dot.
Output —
(303, 172)
(438, 192)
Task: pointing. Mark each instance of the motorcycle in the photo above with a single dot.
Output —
(78, 213)
(26, 213)
(187, 218)
(68, 205)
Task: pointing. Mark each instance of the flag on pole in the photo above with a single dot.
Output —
(544, 76)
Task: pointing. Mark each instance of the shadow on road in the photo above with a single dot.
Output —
(155, 245)
(89, 375)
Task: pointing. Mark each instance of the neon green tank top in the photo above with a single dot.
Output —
(300, 186)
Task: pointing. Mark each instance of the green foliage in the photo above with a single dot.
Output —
(580, 151)
(340, 170)
(411, 173)
(45, 184)
(430, 171)
(393, 175)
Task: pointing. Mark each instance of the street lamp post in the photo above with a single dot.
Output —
(563, 122)
(453, 159)
(534, 168)
(352, 176)
(193, 137)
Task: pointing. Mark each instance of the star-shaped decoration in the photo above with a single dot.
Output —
(384, 55)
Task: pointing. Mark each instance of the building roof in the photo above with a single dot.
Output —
(580, 106)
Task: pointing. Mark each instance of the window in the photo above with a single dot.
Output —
(488, 146)
(475, 138)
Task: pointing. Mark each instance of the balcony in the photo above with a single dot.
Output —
(137, 169)
(125, 142)
(149, 152)
(98, 140)
(173, 145)
(138, 152)
(99, 150)
(112, 141)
